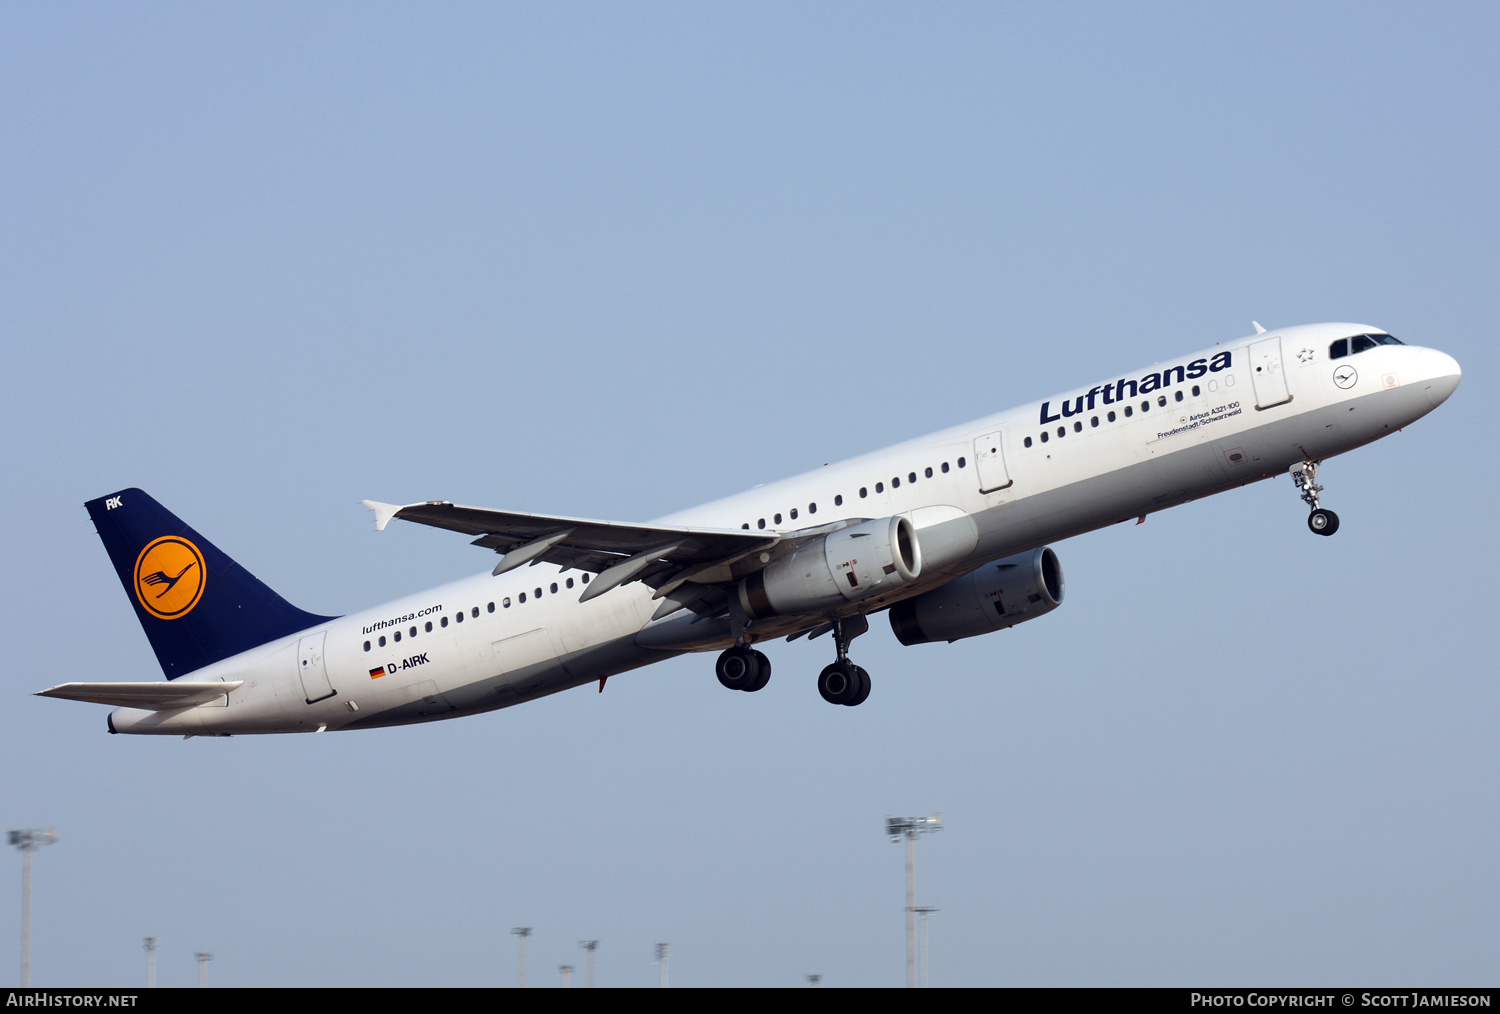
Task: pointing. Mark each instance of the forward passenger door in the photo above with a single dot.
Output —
(989, 460)
(1266, 374)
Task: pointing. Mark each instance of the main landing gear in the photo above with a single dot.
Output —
(1305, 478)
(843, 682)
(743, 668)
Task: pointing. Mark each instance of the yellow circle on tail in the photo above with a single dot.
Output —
(169, 577)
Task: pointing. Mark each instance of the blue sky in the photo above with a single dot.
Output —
(611, 261)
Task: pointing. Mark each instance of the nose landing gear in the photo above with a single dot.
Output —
(1305, 478)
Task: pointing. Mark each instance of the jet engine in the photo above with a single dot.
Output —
(997, 595)
(843, 566)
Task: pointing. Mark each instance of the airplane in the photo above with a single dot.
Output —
(948, 534)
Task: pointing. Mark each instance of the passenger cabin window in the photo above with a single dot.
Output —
(838, 501)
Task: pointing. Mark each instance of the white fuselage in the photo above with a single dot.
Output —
(993, 484)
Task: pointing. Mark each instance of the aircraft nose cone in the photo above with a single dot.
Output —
(1443, 374)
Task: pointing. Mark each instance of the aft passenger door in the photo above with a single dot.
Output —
(989, 460)
(1266, 374)
(310, 667)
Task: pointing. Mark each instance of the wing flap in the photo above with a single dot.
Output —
(150, 696)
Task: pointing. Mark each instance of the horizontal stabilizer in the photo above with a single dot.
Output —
(150, 696)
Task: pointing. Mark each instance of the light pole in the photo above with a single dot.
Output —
(522, 932)
(663, 952)
(28, 842)
(151, 944)
(203, 959)
(590, 946)
(567, 975)
(908, 828)
(923, 911)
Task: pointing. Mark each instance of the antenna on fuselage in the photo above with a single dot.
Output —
(1258, 328)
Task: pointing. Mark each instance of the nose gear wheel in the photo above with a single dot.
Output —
(1323, 522)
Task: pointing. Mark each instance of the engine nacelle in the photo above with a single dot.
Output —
(997, 595)
(843, 566)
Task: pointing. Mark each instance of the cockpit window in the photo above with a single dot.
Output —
(1362, 343)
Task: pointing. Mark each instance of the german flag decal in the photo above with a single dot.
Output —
(375, 674)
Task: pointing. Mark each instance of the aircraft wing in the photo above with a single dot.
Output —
(150, 696)
(664, 558)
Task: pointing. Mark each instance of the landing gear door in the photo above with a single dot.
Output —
(989, 459)
(310, 667)
(1266, 373)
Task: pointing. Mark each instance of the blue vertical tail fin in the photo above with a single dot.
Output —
(196, 605)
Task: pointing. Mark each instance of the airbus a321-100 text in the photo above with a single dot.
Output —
(948, 534)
